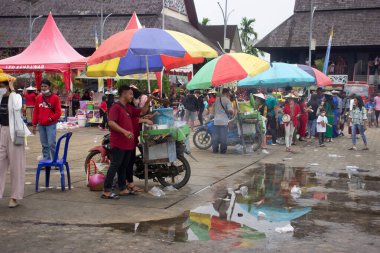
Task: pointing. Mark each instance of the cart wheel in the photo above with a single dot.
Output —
(202, 139)
(177, 173)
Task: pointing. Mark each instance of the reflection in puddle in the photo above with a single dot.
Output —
(278, 198)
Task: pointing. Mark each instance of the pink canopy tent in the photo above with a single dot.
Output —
(49, 52)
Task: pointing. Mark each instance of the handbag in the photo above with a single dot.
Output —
(19, 134)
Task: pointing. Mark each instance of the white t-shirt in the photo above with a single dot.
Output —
(321, 124)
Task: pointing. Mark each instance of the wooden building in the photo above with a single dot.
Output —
(78, 20)
(356, 41)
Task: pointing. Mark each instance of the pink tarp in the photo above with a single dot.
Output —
(49, 51)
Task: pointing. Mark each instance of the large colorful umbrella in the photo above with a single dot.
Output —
(279, 75)
(227, 68)
(146, 50)
(320, 78)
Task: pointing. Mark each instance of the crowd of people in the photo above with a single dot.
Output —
(298, 117)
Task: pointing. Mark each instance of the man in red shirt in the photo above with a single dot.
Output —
(122, 141)
(30, 96)
(30, 100)
(46, 114)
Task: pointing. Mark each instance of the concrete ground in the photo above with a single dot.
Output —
(80, 221)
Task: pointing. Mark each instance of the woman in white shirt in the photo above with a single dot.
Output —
(12, 149)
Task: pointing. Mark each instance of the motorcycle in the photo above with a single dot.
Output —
(202, 137)
(175, 174)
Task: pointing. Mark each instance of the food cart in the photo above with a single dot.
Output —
(163, 141)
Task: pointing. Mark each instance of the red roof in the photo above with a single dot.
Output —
(49, 51)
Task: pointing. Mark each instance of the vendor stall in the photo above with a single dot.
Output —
(49, 52)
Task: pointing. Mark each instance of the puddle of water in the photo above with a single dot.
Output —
(270, 204)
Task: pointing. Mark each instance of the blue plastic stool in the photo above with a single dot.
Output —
(56, 163)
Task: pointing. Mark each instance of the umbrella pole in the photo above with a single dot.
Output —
(147, 72)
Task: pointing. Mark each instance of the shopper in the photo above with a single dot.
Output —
(313, 105)
(271, 103)
(103, 109)
(223, 110)
(377, 108)
(12, 149)
(293, 112)
(191, 108)
(358, 119)
(46, 114)
(303, 118)
(329, 106)
(322, 122)
(201, 106)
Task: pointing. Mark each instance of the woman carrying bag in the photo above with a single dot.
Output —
(13, 133)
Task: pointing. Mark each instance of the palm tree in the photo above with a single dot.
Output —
(248, 36)
(205, 21)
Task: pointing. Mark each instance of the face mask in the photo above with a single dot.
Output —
(45, 92)
(3, 91)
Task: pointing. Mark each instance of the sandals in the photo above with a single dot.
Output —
(352, 148)
(134, 188)
(126, 192)
(111, 196)
(365, 148)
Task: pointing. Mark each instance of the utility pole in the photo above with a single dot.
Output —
(226, 16)
(312, 10)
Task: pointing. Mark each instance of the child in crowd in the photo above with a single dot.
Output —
(370, 105)
(322, 122)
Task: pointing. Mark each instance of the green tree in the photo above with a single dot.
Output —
(205, 21)
(248, 36)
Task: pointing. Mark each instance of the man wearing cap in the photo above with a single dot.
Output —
(46, 114)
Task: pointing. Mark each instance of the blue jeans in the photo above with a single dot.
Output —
(312, 127)
(361, 130)
(48, 140)
(219, 137)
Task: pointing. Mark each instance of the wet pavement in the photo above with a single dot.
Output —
(306, 204)
(317, 200)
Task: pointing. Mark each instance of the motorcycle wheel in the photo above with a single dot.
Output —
(94, 155)
(174, 168)
(202, 139)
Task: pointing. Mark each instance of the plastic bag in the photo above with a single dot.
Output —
(157, 192)
(295, 192)
(170, 188)
(286, 229)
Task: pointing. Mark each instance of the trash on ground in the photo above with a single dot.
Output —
(286, 229)
(28, 183)
(287, 158)
(335, 156)
(170, 188)
(244, 191)
(261, 214)
(314, 164)
(295, 192)
(157, 192)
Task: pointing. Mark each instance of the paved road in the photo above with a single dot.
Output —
(345, 220)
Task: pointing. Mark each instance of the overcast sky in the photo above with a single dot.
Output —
(268, 13)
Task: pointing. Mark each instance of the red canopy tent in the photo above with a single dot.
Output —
(49, 52)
